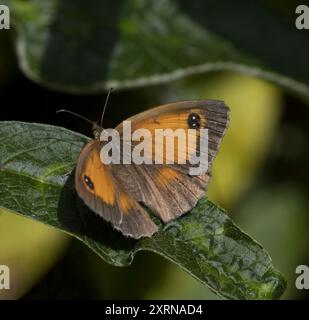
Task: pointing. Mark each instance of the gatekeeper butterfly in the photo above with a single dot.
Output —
(119, 193)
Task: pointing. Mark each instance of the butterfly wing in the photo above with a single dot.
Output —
(210, 114)
(115, 191)
(169, 190)
(95, 184)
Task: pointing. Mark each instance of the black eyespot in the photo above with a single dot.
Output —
(194, 121)
(88, 182)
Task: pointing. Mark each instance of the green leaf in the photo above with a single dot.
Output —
(76, 47)
(35, 160)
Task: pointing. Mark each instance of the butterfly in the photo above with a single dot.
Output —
(119, 193)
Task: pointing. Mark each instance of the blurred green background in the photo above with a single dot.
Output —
(260, 175)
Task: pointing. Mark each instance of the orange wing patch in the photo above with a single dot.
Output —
(103, 184)
(184, 145)
(125, 202)
(165, 175)
(169, 120)
(171, 145)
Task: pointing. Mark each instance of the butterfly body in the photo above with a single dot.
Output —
(120, 192)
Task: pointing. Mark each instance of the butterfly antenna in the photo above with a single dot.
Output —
(74, 114)
(107, 97)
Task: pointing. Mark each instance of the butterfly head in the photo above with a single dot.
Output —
(97, 130)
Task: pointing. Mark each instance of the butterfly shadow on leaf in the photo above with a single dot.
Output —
(75, 217)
